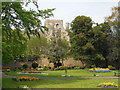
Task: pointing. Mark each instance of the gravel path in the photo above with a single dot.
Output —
(4, 75)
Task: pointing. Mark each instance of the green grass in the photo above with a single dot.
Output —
(57, 83)
(73, 73)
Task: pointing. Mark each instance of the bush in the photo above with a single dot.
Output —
(93, 66)
(52, 68)
(61, 68)
(73, 67)
(34, 65)
(69, 67)
(15, 69)
(82, 67)
(77, 68)
(40, 67)
(44, 68)
(111, 67)
(25, 66)
(49, 67)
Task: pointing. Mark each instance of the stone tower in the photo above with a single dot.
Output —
(55, 29)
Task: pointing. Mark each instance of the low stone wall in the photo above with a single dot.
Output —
(44, 62)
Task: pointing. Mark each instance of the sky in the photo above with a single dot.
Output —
(67, 10)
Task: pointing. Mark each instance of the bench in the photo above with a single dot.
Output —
(117, 73)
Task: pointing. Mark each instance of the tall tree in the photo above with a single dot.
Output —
(15, 16)
(58, 48)
(13, 46)
(36, 45)
(114, 22)
(102, 33)
(80, 47)
(89, 44)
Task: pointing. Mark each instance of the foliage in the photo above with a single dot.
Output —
(16, 20)
(58, 49)
(34, 65)
(93, 66)
(36, 46)
(89, 44)
(25, 57)
(15, 15)
(45, 68)
(111, 67)
(25, 66)
(12, 47)
(114, 50)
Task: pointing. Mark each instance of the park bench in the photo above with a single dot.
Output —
(117, 73)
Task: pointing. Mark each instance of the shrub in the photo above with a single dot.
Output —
(44, 68)
(40, 67)
(69, 67)
(111, 67)
(15, 69)
(25, 66)
(34, 65)
(93, 66)
(49, 67)
(77, 68)
(52, 68)
(61, 68)
(82, 67)
(73, 67)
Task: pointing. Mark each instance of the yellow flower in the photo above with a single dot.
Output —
(8, 69)
(116, 85)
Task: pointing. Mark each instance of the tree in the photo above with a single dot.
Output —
(101, 35)
(80, 47)
(57, 52)
(89, 44)
(12, 46)
(114, 22)
(14, 15)
(16, 20)
(36, 45)
(58, 49)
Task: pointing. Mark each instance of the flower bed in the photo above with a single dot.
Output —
(99, 70)
(107, 85)
(26, 79)
(8, 70)
(31, 72)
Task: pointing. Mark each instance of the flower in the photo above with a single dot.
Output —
(108, 85)
(27, 78)
(8, 70)
(99, 69)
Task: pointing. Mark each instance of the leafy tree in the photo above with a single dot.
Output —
(36, 45)
(15, 16)
(89, 44)
(102, 32)
(57, 49)
(80, 47)
(114, 22)
(57, 52)
(12, 46)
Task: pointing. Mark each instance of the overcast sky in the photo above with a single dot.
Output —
(67, 10)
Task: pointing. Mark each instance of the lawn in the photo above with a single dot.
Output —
(73, 73)
(57, 83)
